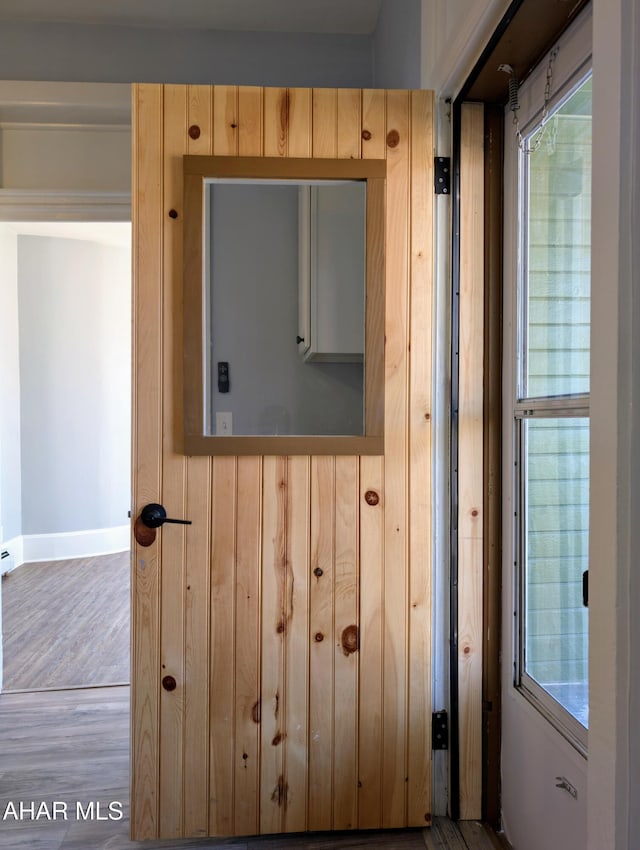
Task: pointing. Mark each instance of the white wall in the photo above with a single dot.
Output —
(397, 45)
(10, 452)
(74, 305)
(454, 33)
(65, 158)
(614, 662)
(99, 53)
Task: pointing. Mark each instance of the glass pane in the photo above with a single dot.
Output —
(286, 308)
(557, 253)
(556, 547)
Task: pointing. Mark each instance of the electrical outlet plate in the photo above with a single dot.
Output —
(224, 424)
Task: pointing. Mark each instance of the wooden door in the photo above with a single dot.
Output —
(293, 616)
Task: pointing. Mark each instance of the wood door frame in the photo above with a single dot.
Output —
(542, 22)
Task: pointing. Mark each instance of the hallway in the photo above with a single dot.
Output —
(66, 623)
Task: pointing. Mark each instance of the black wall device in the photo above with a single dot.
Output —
(223, 376)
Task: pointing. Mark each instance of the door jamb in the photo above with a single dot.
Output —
(480, 86)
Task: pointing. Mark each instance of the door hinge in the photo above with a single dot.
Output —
(442, 175)
(439, 731)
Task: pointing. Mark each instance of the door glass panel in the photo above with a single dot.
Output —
(556, 256)
(556, 545)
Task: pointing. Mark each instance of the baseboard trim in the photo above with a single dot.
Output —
(15, 549)
(71, 544)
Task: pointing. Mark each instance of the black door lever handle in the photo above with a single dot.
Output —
(154, 515)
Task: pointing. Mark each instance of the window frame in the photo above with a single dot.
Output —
(572, 68)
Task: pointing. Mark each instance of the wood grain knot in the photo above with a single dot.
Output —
(173, 213)
(427, 416)
(169, 683)
(318, 572)
(256, 711)
(245, 756)
(280, 792)
(284, 110)
(474, 512)
(318, 637)
(194, 131)
(366, 135)
(281, 627)
(393, 138)
(427, 817)
(467, 650)
(350, 640)
(144, 536)
(371, 497)
(277, 739)
(234, 126)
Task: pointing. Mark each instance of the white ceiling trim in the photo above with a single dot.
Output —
(52, 206)
(102, 232)
(107, 105)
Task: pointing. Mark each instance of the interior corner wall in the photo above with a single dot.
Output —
(74, 307)
(397, 45)
(98, 53)
(10, 474)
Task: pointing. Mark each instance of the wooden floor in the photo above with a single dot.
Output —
(66, 623)
(73, 746)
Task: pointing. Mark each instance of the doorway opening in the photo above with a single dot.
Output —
(65, 453)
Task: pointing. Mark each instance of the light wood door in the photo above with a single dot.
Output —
(294, 614)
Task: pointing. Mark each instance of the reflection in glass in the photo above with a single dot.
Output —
(558, 254)
(556, 463)
(261, 241)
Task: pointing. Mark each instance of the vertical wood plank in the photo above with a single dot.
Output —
(470, 453)
(300, 122)
(296, 708)
(371, 642)
(321, 621)
(222, 661)
(250, 121)
(374, 106)
(372, 535)
(346, 641)
(349, 119)
(396, 455)
(225, 121)
(247, 660)
(147, 455)
(200, 112)
(269, 712)
(276, 121)
(248, 566)
(325, 123)
(222, 649)
(173, 475)
(198, 561)
(421, 271)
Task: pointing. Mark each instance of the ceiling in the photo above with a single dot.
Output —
(319, 16)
